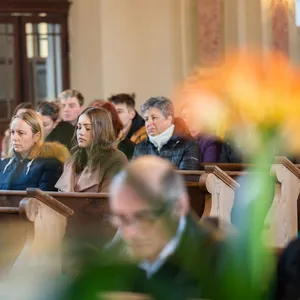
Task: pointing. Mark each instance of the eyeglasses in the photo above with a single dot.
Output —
(140, 219)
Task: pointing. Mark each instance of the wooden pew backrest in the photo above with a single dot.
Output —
(216, 189)
(222, 188)
(35, 232)
(281, 221)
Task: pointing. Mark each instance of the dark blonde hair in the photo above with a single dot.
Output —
(35, 122)
(104, 139)
(70, 94)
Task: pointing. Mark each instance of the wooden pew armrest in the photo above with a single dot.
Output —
(50, 201)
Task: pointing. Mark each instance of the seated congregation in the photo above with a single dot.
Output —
(64, 147)
(158, 241)
(159, 246)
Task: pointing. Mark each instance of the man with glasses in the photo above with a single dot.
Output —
(149, 213)
(159, 248)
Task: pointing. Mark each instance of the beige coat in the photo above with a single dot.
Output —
(91, 181)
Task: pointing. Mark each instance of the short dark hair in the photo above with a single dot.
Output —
(70, 94)
(50, 109)
(164, 104)
(129, 100)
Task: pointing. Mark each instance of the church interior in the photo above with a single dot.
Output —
(149, 149)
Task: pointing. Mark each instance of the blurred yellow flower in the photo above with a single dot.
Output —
(249, 90)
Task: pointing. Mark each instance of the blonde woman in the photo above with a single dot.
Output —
(6, 139)
(31, 162)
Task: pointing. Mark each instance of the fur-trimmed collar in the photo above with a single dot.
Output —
(53, 150)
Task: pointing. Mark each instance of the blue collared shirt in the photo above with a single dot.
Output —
(167, 251)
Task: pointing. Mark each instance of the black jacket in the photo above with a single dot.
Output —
(127, 147)
(62, 133)
(184, 153)
(229, 154)
(192, 272)
(288, 273)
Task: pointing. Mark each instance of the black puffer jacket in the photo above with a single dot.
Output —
(182, 152)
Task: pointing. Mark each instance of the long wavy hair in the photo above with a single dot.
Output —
(117, 123)
(104, 140)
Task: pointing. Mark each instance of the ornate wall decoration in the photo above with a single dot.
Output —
(210, 32)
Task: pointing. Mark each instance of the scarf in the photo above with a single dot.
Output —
(159, 140)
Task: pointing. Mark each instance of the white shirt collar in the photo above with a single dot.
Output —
(166, 252)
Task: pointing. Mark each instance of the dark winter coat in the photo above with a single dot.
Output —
(182, 152)
(17, 173)
(62, 133)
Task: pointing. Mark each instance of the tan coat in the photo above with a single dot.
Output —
(91, 181)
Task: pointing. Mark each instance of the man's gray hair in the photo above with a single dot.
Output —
(171, 190)
(164, 104)
(172, 187)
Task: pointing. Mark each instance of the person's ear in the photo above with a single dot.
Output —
(170, 120)
(36, 137)
(132, 113)
(56, 123)
(181, 207)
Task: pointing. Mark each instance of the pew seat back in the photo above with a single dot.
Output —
(32, 234)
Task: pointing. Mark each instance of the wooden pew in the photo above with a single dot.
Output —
(88, 228)
(281, 221)
(217, 190)
(90, 210)
(211, 193)
(200, 184)
(283, 216)
(31, 234)
(90, 213)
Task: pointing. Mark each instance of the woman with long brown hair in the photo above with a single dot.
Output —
(124, 144)
(95, 158)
